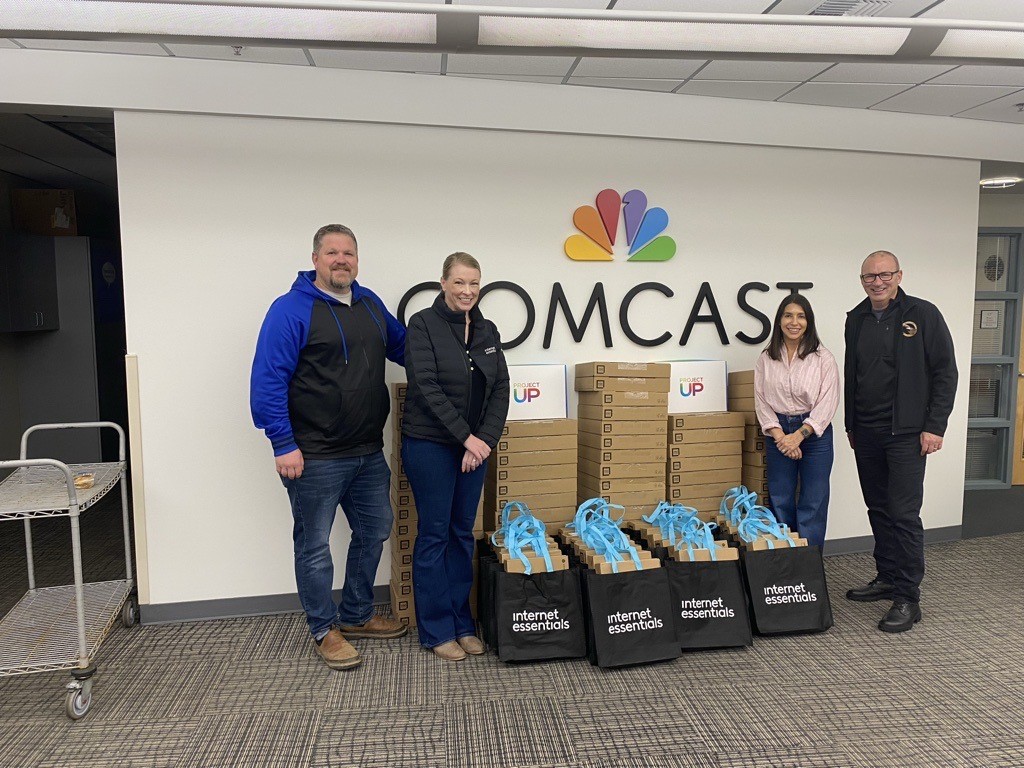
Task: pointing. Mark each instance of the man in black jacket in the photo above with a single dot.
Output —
(900, 382)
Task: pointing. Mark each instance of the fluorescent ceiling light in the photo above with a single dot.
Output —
(92, 18)
(981, 43)
(690, 36)
(1001, 182)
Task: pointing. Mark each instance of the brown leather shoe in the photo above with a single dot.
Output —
(337, 652)
(472, 645)
(450, 651)
(377, 627)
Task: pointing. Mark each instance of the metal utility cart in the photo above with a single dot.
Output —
(55, 628)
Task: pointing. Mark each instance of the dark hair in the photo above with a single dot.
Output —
(808, 344)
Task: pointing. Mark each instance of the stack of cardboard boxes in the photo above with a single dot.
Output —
(403, 530)
(534, 463)
(705, 459)
(755, 469)
(622, 428)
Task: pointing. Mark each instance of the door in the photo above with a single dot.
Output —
(1018, 433)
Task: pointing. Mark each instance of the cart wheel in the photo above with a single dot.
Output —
(77, 703)
(130, 612)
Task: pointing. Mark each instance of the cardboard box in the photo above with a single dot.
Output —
(620, 413)
(701, 503)
(614, 384)
(703, 491)
(719, 420)
(405, 513)
(719, 435)
(399, 390)
(403, 529)
(749, 417)
(755, 459)
(738, 391)
(44, 212)
(612, 471)
(635, 456)
(744, 404)
(521, 488)
(533, 458)
(559, 562)
(630, 398)
(535, 501)
(723, 553)
(402, 589)
(602, 485)
(697, 386)
(728, 477)
(741, 377)
(753, 432)
(633, 498)
(400, 483)
(537, 392)
(534, 444)
(549, 515)
(400, 574)
(620, 442)
(539, 428)
(540, 472)
(602, 427)
(755, 445)
(622, 370)
(705, 463)
(694, 450)
(755, 473)
(402, 498)
(761, 543)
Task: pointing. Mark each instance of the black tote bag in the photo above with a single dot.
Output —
(539, 617)
(787, 590)
(629, 618)
(709, 604)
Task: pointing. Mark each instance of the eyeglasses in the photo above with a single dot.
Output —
(870, 277)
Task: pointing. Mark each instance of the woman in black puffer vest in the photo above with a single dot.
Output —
(455, 411)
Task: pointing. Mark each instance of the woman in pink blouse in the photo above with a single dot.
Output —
(796, 392)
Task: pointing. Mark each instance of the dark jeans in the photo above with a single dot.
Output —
(360, 486)
(442, 560)
(891, 470)
(808, 514)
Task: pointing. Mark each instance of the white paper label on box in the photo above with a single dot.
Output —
(697, 386)
(537, 392)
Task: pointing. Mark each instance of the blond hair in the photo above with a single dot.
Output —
(458, 257)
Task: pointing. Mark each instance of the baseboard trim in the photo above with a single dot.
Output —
(236, 607)
(867, 543)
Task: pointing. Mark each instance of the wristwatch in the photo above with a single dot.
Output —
(805, 430)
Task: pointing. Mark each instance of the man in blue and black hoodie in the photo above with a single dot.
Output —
(318, 392)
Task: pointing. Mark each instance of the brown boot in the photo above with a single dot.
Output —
(337, 652)
(377, 627)
(472, 645)
(450, 651)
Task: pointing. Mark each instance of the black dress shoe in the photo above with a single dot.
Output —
(901, 617)
(874, 590)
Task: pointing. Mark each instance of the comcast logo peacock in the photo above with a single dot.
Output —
(600, 226)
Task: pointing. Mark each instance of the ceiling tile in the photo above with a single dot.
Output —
(626, 82)
(95, 46)
(262, 54)
(908, 74)
(973, 74)
(5, 43)
(665, 69)
(694, 6)
(384, 61)
(596, 5)
(549, 79)
(842, 94)
(779, 71)
(980, 10)
(943, 99)
(762, 90)
(1005, 110)
(484, 64)
(895, 8)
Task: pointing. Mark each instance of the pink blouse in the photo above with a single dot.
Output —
(799, 386)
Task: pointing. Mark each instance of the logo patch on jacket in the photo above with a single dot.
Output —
(492, 350)
(909, 329)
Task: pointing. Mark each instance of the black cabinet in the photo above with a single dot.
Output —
(28, 285)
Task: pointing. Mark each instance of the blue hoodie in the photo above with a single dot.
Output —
(317, 379)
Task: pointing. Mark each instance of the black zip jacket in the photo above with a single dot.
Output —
(926, 372)
(437, 402)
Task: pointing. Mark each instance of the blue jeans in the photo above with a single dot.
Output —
(442, 560)
(808, 514)
(360, 486)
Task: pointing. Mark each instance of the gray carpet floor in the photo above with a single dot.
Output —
(252, 692)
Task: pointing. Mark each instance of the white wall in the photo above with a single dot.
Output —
(1001, 211)
(217, 215)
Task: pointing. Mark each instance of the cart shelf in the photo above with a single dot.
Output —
(34, 492)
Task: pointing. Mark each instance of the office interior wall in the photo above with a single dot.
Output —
(217, 217)
(1001, 211)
